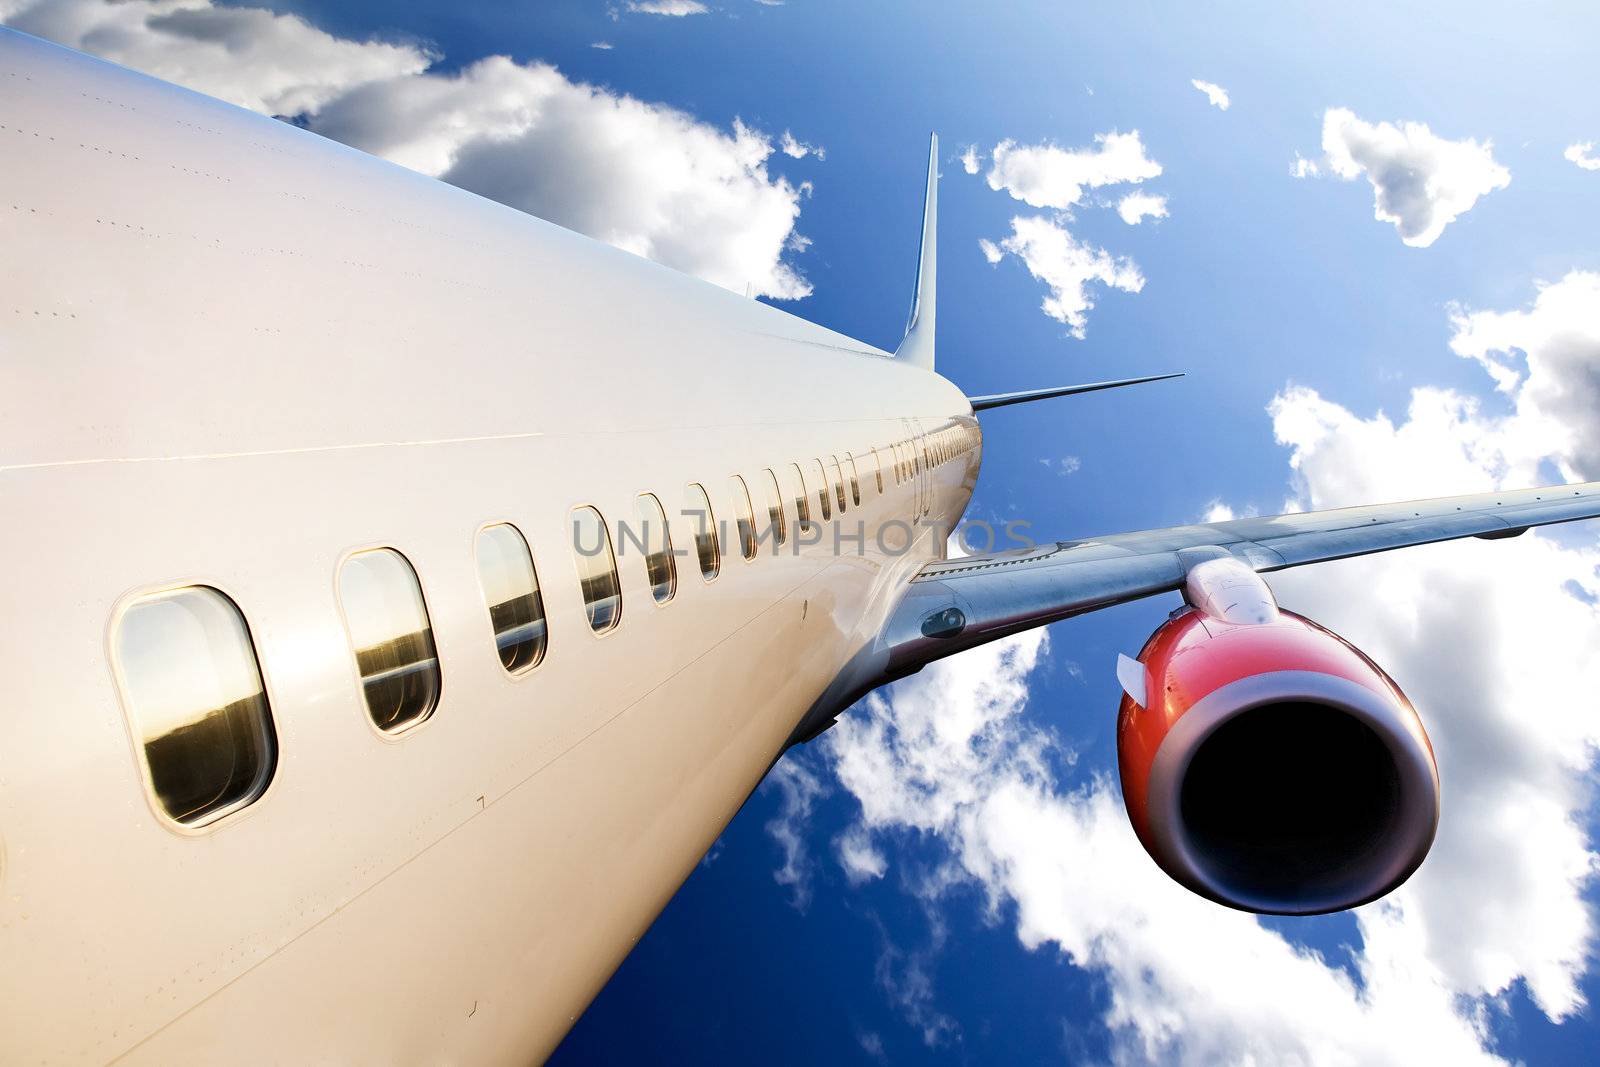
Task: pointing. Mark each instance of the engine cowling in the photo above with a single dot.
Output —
(1268, 764)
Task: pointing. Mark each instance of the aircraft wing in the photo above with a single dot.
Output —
(955, 604)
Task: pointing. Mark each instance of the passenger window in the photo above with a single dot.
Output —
(597, 569)
(822, 494)
(775, 508)
(698, 511)
(659, 567)
(802, 505)
(877, 469)
(193, 690)
(838, 483)
(511, 589)
(391, 636)
(745, 515)
(855, 479)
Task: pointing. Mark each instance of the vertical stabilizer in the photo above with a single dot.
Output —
(917, 348)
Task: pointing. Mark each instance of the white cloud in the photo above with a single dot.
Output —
(604, 46)
(277, 64)
(1045, 175)
(1136, 207)
(1214, 93)
(948, 754)
(861, 860)
(673, 8)
(1303, 167)
(970, 159)
(1421, 182)
(641, 176)
(1497, 643)
(1477, 634)
(1583, 155)
(1065, 264)
(644, 177)
(1547, 357)
(797, 149)
(800, 787)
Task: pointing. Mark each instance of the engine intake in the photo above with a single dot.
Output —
(1267, 763)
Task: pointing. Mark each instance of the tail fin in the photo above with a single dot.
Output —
(917, 348)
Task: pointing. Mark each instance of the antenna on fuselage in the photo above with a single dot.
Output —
(917, 347)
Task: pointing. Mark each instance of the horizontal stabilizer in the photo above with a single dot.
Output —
(1000, 400)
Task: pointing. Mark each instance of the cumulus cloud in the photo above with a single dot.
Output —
(644, 177)
(1066, 265)
(1421, 182)
(1136, 207)
(948, 754)
(1048, 176)
(1303, 167)
(1547, 358)
(1479, 634)
(1045, 175)
(1500, 899)
(604, 46)
(277, 64)
(1214, 93)
(1583, 155)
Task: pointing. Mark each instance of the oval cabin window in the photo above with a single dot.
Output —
(392, 638)
(745, 515)
(597, 569)
(802, 503)
(775, 523)
(855, 479)
(655, 541)
(194, 693)
(822, 493)
(697, 509)
(511, 590)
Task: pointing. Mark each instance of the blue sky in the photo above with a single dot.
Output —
(904, 890)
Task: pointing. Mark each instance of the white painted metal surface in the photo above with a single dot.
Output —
(233, 355)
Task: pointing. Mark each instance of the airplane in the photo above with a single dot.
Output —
(364, 704)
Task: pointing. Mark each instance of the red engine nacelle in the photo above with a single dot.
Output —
(1266, 762)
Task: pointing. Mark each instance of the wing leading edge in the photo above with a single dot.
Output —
(1004, 593)
(957, 604)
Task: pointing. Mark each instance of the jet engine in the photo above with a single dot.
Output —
(1266, 762)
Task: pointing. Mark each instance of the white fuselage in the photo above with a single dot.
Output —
(232, 354)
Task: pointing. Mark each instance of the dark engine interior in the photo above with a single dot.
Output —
(1289, 800)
